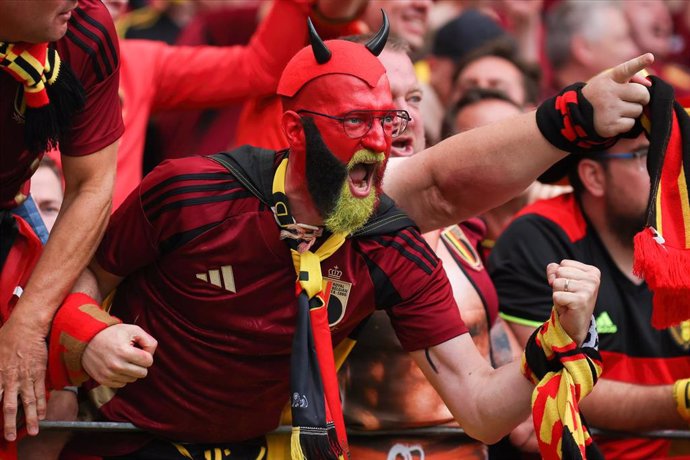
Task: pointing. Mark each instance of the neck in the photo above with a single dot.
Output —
(301, 205)
(621, 253)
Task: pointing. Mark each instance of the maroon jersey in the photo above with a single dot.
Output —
(91, 49)
(208, 276)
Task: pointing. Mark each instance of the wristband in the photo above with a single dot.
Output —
(681, 393)
(567, 122)
(76, 322)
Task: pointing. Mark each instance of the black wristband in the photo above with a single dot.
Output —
(567, 122)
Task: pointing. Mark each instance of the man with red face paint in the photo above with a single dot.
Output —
(247, 266)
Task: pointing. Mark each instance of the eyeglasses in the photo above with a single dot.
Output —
(640, 155)
(358, 123)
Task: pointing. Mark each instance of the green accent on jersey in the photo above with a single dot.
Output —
(521, 321)
(605, 325)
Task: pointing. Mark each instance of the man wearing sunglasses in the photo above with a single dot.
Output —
(206, 252)
(596, 224)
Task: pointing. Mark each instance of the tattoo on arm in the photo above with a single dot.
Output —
(431, 362)
(501, 352)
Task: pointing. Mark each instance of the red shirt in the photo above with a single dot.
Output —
(158, 77)
(209, 278)
(91, 49)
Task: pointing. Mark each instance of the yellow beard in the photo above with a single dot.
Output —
(350, 213)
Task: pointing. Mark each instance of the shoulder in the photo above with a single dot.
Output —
(562, 213)
(395, 250)
(90, 44)
(185, 185)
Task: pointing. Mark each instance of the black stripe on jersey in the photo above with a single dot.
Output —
(92, 54)
(104, 31)
(96, 43)
(388, 242)
(149, 207)
(242, 193)
(415, 239)
(180, 239)
(385, 294)
(183, 177)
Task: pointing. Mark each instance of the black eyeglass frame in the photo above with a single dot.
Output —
(402, 115)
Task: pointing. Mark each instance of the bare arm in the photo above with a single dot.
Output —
(77, 231)
(480, 169)
(470, 388)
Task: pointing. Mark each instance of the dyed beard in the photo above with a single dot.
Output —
(325, 173)
(327, 183)
(350, 213)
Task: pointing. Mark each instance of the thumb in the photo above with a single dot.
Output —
(624, 72)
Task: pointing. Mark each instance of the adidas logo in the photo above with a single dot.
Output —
(605, 325)
(221, 278)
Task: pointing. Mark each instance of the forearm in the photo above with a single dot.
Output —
(475, 393)
(440, 185)
(74, 238)
(623, 406)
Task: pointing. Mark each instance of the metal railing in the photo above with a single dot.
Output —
(117, 427)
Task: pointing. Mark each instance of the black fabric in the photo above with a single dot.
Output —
(567, 122)
(8, 233)
(165, 450)
(255, 167)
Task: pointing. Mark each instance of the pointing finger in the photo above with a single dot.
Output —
(622, 73)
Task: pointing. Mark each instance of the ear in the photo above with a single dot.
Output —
(593, 177)
(291, 123)
(580, 50)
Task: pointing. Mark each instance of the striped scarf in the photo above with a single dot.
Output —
(52, 92)
(662, 249)
(318, 429)
(563, 374)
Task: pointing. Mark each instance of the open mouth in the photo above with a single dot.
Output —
(402, 147)
(361, 178)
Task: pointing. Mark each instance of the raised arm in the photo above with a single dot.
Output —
(477, 170)
(470, 387)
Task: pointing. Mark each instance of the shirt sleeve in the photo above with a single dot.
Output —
(211, 76)
(413, 288)
(91, 49)
(517, 266)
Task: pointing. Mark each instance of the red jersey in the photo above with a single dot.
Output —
(90, 47)
(207, 275)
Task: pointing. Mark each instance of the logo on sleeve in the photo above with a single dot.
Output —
(681, 334)
(220, 277)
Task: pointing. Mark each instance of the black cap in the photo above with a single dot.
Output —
(464, 34)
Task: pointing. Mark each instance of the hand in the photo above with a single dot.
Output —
(524, 438)
(521, 12)
(618, 96)
(23, 356)
(575, 286)
(119, 355)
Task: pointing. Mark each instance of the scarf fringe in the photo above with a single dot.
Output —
(46, 126)
(664, 268)
(315, 443)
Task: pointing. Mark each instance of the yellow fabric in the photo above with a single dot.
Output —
(681, 394)
(562, 408)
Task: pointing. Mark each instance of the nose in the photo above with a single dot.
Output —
(376, 139)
